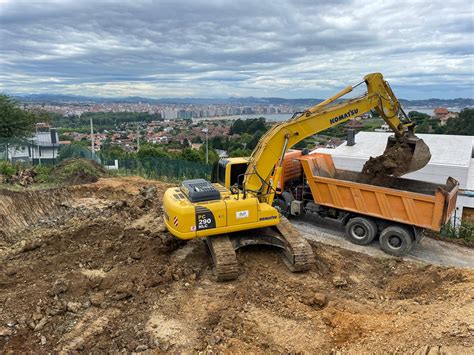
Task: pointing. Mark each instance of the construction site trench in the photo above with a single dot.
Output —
(91, 268)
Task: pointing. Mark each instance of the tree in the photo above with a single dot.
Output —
(15, 123)
(218, 142)
(150, 151)
(192, 155)
(196, 139)
(212, 154)
(418, 117)
(74, 150)
(250, 126)
(255, 139)
(463, 124)
(113, 152)
(240, 152)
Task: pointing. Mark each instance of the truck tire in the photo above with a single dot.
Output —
(396, 240)
(361, 230)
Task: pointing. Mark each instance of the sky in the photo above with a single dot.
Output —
(215, 48)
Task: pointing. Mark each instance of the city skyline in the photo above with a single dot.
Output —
(215, 49)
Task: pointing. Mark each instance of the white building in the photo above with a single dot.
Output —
(170, 113)
(450, 156)
(42, 146)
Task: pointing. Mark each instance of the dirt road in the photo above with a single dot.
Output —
(97, 272)
(429, 251)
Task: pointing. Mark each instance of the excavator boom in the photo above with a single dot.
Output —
(260, 176)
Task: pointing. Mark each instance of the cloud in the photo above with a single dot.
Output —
(221, 48)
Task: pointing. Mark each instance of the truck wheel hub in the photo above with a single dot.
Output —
(395, 242)
(359, 232)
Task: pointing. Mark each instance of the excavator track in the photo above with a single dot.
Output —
(296, 251)
(226, 266)
(298, 255)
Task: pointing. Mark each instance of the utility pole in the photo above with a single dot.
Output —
(138, 136)
(38, 145)
(92, 139)
(206, 130)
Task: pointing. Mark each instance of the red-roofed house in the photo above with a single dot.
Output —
(443, 115)
(440, 111)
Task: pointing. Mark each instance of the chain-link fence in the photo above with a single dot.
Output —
(29, 152)
(161, 168)
(459, 228)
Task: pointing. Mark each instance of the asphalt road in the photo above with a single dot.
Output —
(429, 250)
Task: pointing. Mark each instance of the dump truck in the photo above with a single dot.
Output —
(395, 209)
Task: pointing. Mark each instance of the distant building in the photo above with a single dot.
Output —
(383, 128)
(222, 153)
(443, 115)
(43, 146)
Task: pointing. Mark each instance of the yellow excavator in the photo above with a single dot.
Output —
(238, 209)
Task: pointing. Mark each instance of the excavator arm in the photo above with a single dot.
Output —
(265, 162)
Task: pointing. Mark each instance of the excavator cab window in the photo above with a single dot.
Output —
(237, 172)
(219, 171)
(214, 172)
(224, 171)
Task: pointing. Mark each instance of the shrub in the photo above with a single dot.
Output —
(7, 169)
(463, 230)
(43, 173)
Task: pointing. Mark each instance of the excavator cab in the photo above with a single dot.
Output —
(230, 171)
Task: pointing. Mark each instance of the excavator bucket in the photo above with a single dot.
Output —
(420, 153)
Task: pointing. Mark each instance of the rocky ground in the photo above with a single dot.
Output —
(91, 268)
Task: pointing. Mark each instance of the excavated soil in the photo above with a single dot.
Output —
(99, 273)
(395, 161)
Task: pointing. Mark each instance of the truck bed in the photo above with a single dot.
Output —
(403, 184)
(418, 203)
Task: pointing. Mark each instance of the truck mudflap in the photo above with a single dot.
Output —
(418, 233)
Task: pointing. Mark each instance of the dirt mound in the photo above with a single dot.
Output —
(395, 161)
(78, 171)
(108, 277)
